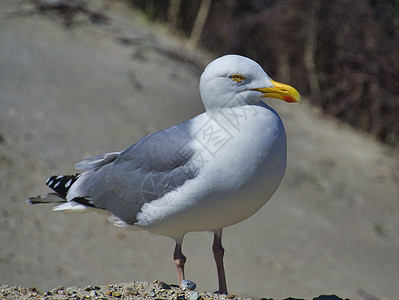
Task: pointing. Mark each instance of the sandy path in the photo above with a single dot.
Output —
(332, 227)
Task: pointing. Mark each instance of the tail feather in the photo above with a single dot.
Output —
(61, 184)
(48, 198)
(79, 205)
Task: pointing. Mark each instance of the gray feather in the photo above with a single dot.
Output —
(97, 162)
(147, 170)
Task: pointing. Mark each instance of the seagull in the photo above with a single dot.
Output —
(205, 174)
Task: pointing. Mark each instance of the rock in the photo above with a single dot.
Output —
(328, 297)
(131, 291)
(164, 285)
(194, 295)
(57, 290)
(116, 294)
(72, 289)
(188, 285)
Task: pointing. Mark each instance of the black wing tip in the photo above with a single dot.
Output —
(61, 183)
(85, 201)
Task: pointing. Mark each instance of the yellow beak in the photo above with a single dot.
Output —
(281, 91)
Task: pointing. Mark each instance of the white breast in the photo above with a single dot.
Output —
(241, 155)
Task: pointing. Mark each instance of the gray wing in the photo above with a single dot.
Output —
(147, 170)
(96, 162)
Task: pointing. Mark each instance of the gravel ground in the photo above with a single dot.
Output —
(131, 290)
(157, 290)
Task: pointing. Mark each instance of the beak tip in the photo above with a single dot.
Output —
(291, 99)
(286, 92)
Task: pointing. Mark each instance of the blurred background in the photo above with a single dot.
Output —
(342, 54)
(80, 78)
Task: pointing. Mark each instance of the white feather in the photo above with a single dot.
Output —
(74, 207)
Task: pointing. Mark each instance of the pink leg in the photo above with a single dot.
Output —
(180, 259)
(218, 253)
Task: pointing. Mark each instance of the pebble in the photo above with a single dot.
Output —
(116, 294)
(188, 285)
(131, 291)
(91, 288)
(164, 285)
(194, 295)
(72, 289)
(57, 290)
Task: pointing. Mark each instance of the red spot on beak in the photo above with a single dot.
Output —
(289, 99)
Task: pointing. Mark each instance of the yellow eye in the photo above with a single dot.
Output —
(238, 77)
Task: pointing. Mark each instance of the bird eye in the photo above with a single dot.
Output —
(238, 77)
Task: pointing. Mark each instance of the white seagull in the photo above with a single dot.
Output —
(210, 172)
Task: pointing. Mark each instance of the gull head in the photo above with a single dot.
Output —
(234, 80)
